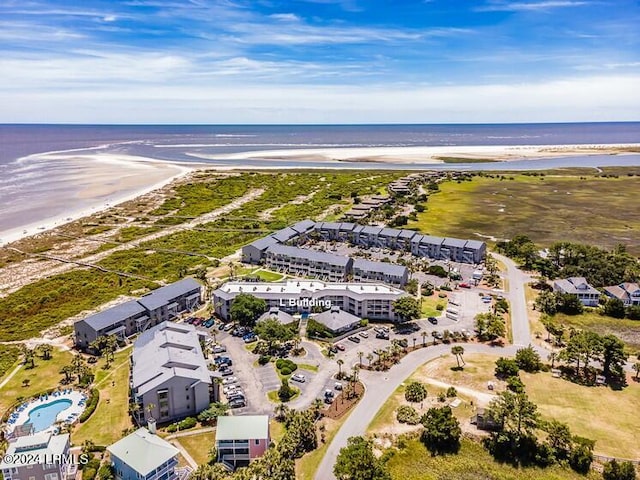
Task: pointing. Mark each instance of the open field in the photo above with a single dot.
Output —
(547, 208)
(198, 445)
(610, 417)
(473, 462)
(428, 305)
(44, 376)
(627, 330)
(111, 417)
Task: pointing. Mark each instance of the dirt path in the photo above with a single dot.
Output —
(14, 280)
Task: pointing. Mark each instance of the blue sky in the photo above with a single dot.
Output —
(319, 61)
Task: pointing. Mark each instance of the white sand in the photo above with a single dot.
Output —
(119, 178)
(421, 154)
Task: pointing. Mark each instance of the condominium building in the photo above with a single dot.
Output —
(241, 439)
(41, 456)
(368, 271)
(308, 263)
(170, 379)
(373, 301)
(134, 316)
(143, 455)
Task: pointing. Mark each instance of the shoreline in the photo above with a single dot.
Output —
(133, 188)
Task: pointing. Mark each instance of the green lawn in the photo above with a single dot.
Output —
(547, 209)
(198, 445)
(627, 330)
(473, 462)
(429, 304)
(44, 376)
(8, 357)
(269, 276)
(111, 417)
(610, 417)
(306, 366)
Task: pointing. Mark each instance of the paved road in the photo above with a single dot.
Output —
(378, 387)
(518, 302)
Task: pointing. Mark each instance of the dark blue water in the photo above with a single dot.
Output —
(35, 185)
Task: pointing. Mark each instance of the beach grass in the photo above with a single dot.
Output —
(547, 208)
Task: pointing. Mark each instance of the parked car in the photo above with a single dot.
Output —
(189, 320)
(197, 322)
(250, 338)
(333, 349)
(225, 372)
(223, 361)
(229, 381)
(328, 393)
(238, 403)
(340, 347)
(433, 320)
(227, 327)
(364, 334)
(354, 339)
(338, 386)
(438, 335)
(383, 335)
(298, 377)
(236, 396)
(464, 285)
(209, 323)
(229, 389)
(219, 349)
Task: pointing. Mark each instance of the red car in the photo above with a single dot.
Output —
(464, 285)
(340, 347)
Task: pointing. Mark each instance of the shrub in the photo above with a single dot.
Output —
(264, 359)
(415, 392)
(92, 403)
(172, 428)
(285, 371)
(515, 384)
(452, 392)
(442, 397)
(506, 368)
(279, 363)
(187, 423)
(439, 307)
(407, 414)
(528, 359)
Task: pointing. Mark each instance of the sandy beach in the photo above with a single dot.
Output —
(96, 183)
(426, 154)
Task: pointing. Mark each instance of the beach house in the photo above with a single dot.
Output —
(241, 439)
(142, 455)
(579, 287)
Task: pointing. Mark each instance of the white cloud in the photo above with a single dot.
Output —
(501, 6)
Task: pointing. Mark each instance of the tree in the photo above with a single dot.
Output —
(515, 384)
(489, 326)
(613, 356)
(273, 332)
(458, 351)
(285, 392)
(636, 368)
(407, 308)
(552, 357)
(582, 347)
(67, 371)
(246, 309)
(300, 434)
(581, 455)
(506, 367)
(515, 412)
(28, 357)
(559, 439)
(360, 355)
(614, 307)
(356, 461)
(46, 350)
(340, 362)
(369, 357)
(569, 303)
(441, 432)
(281, 411)
(415, 392)
(528, 359)
(619, 471)
(546, 303)
(211, 414)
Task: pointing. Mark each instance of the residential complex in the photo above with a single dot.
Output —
(308, 263)
(578, 286)
(337, 320)
(135, 316)
(368, 271)
(143, 455)
(364, 300)
(170, 379)
(41, 456)
(457, 250)
(241, 439)
(628, 292)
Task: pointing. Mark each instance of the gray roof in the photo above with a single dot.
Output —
(347, 226)
(453, 242)
(474, 244)
(389, 232)
(143, 451)
(29, 450)
(371, 230)
(574, 285)
(407, 233)
(417, 238)
(382, 267)
(304, 226)
(295, 252)
(165, 351)
(282, 317)
(284, 234)
(242, 427)
(336, 319)
(431, 240)
(164, 295)
(263, 243)
(113, 315)
(329, 226)
(358, 228)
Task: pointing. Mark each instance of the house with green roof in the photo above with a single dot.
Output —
(143, 455)
(241, 439)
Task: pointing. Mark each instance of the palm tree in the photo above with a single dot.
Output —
(435, 337)
(458, 351)
(636, 368)
(360, 355)
(134, 410)
(553, 356)
(77, 363)
(414, 342)
(340, 362)
(424, 338)
(370, 357)
(67, 371)
(281, 411)
(317, 405)
(46, 350)
(150, 408)
(28, 355)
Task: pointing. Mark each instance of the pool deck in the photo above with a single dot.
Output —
(20, 416)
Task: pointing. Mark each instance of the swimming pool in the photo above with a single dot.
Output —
(43, 416)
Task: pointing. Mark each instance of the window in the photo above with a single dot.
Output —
(51, 476)
(257, 441)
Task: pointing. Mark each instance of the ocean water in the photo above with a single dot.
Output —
(34, 186)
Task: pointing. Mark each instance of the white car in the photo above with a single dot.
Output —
(219, 349)
(229, 381)
(230, 388)
(298, 377)
(364, 334)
